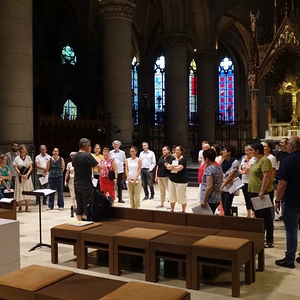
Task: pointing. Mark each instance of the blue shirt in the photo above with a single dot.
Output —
(290, 172)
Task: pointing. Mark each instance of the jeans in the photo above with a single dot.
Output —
(267, 215)
(227, 199)
(58, 184)
(290, 218)
(146, 178)
(39, 186)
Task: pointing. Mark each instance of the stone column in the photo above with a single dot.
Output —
(177, 94)
(254, 113)
(208, 101)
(16, 75)
(117, 56)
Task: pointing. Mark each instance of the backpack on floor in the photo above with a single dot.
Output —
(99, 208)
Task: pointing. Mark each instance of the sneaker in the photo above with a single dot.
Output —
(284, 263)
(121, 201)
(61, 208)
(269, 245)
(146, 198)
(49, 208)
(279, 219)
(298, 259)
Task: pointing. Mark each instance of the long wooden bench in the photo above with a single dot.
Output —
(196, 226)
(46, 283)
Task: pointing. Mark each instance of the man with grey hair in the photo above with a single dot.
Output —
(119, 156)
(83, 162)
(288, 192)
(148, 164)
(41, 161)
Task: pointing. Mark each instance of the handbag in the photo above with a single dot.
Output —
(111, 175)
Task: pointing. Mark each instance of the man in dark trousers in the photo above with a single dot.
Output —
(83, 163)
(288, 192)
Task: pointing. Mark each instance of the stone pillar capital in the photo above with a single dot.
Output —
(176, 39)
(117, 9)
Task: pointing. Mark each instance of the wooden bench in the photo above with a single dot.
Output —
(224, 252)
(69, 235)
(135, 241)
(137, 290)
(8, 210)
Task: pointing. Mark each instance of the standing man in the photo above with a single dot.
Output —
(12, 154)
(148, 164)
(83, 162)
(41, 161)
(288, 192)
(280, 156)
(120, 158)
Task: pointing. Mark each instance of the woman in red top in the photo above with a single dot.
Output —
(107, 164)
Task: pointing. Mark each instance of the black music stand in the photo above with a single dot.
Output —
(39, 193)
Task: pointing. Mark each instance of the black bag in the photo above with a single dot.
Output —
(99, 208)
(111, 175)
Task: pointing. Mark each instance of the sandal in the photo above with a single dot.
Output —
(28, 210)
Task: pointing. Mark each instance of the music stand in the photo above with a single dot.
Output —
(39, 193)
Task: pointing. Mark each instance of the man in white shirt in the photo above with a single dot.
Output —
(148, 164)
(41, 161)
(119, 156)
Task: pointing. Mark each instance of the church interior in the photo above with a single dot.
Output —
(166, 72)
(169, 72)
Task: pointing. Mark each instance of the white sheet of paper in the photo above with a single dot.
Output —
(7, 200)
(233, 186)
(202, 211)
(8, 191)
(261, 204)
(45, 191)
(43, 180)
(79, 223)
(174, 163)
(95, 181)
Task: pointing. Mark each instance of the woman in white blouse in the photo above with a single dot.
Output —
(133, 167)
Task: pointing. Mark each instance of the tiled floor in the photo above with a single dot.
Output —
(274, 283)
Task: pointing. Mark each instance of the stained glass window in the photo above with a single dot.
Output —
(159, 89)
(134, 88)
(69, 110)
(226, 90)
(68, 56)
(193, 93)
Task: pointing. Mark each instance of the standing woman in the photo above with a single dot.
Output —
(162, 174)
(230, 170)
(211, 181)
(108, 164)
(23, 166)
(133, 166)
(178, 179)
(246, 163)
(69, 182)
(98, 156)
(260, 184)
(55, 167)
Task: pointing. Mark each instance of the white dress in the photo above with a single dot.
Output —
(25, 184)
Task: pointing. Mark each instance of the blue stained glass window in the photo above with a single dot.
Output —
(193, 93)
(134, 88)
(69, 110)
(226, 90)
(159, 89)
(68, 56)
